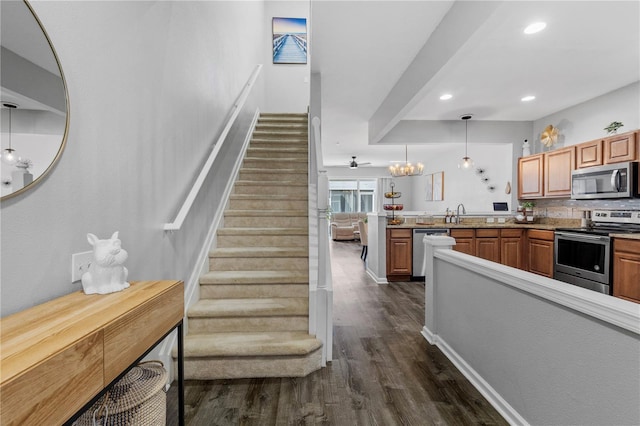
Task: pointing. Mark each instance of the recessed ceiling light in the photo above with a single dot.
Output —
(535, 27)
(528, 98)
(446, 97)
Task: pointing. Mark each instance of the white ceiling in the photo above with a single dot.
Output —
(386, 61)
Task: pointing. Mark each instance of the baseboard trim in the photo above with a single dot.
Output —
(494, 398)
(375, 278)
(429, 336)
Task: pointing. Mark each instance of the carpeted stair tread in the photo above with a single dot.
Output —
(270, 183)
(271, 150)
(259, 252)
(257, 307)
(249, 232)
(280, 171)
(254, 277)
(266, 213)
(283, 343)
(267, 196)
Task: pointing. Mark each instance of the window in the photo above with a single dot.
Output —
(352, 196)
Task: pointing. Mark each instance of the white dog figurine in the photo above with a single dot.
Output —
(106, 273)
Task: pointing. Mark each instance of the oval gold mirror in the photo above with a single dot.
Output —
(33, 100)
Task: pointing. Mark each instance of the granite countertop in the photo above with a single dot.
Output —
(467, 223)
(626, 236)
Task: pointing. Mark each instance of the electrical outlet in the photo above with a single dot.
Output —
(501, 220)
(80, 264)
(490, 220)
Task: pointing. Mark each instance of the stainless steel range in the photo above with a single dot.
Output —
(583, 255)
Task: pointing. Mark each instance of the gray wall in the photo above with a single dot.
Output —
(150, 85)
(553, 365)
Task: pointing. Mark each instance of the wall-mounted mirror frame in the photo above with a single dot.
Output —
(50, 105)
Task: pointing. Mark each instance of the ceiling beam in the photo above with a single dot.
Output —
(456, 28)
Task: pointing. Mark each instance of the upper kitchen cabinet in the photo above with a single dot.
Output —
(619, 148)
(558, 166)
(531, 176)
(546, 175)
(589, 154)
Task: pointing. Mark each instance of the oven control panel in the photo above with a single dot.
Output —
(616, 216)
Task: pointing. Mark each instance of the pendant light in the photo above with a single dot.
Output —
(406, 169)
(466, 163)
(9, 156)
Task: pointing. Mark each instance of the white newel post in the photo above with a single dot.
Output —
(431, 244)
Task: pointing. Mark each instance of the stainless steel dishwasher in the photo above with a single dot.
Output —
(417, 270)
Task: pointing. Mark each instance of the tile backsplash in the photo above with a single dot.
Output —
(573, 209)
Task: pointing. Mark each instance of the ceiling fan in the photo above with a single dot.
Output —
(353, 164)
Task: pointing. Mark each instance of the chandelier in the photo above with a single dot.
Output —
(406, 169)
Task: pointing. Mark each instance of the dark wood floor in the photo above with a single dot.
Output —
(383, 371)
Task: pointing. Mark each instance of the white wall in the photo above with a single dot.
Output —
(466, 186)
(586, 121)
(150, 85)
(288, 85)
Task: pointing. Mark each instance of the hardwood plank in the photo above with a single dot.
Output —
(383, 372)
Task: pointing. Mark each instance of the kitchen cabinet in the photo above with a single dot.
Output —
(399, 254)
(589, 154)
(558, 166)
(488, 244)
(531, 176)
(512, 248)
(540, 252)
(626, 269)
(619, 148)
(465, 241)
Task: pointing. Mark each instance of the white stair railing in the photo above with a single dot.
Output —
(206, 168)
(320, 279)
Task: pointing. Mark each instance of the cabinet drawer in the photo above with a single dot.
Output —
(540, 234)
(139, 330)
(487, 233)
(400, 233)
(511, 233)
(462, 233)
(53, 391)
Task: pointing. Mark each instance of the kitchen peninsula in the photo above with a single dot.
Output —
(527, 246)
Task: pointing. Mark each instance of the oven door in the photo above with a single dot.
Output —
(585, 257)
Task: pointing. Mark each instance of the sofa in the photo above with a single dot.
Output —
(344, 226)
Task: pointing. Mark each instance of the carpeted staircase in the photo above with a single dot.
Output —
(252, 318)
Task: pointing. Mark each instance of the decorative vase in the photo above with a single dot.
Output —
(526, 148)
(21, 178)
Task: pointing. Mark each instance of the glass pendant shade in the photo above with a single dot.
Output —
(9, 157)
(466, 163)
(406, 169)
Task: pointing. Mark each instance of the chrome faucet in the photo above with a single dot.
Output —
(464, 211)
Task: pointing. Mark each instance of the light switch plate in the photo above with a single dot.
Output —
(80, 263)
(490, 220)
(501, 220)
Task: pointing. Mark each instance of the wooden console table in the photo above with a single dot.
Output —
(59, 357)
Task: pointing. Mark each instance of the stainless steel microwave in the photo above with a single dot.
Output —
(610, 181)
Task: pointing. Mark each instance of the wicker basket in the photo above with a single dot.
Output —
(138, 399)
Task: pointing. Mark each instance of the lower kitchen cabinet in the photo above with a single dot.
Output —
(626, 269)
(512, 248)
(465, 241)
(488, 244)
(540, 252)
(399, 254)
